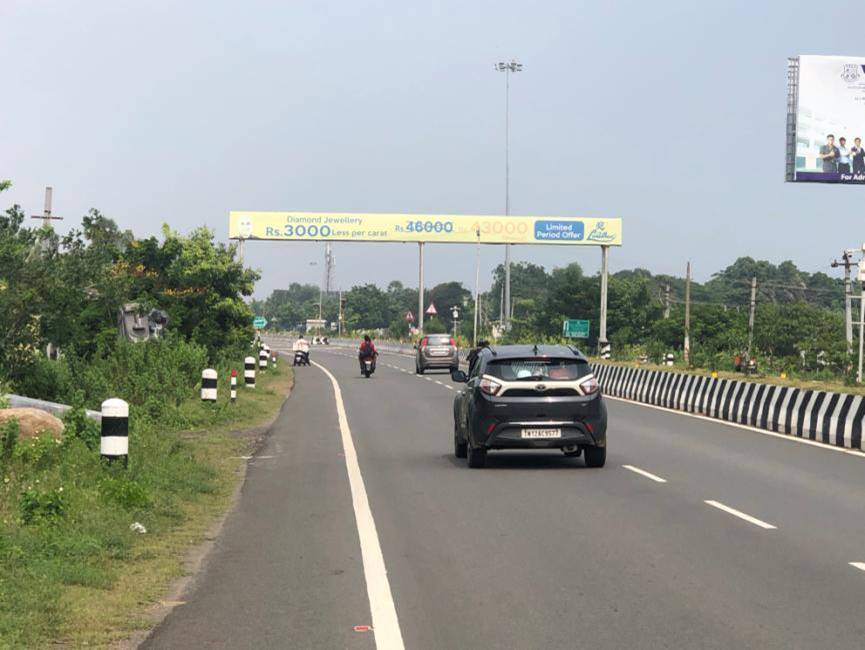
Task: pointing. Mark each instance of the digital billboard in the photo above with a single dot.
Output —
(826, 119)
(434, 228)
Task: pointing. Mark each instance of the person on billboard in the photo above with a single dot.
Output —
(843, 156)
(858, 155)
(829, 155)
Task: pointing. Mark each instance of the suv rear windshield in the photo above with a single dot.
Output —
(538, 369)
(439, 339)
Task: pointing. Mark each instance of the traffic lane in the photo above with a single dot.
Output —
(817, 496)
(539, 551)
(286, 570)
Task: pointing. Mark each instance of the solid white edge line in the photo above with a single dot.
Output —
(858, 565)
(740, 514)
(643, 472)
(385, 623)
(781, 436)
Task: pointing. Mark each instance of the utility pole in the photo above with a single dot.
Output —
(751, 315)
(847, 262)
(507, 68)
(667, 301)
(687, 347)
(46, 215)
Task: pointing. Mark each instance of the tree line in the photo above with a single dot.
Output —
(799, 317)
(65, 292)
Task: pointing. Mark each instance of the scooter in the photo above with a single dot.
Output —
(368, 367)
(301, 358)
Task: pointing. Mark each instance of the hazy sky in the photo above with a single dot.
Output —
(668, 114)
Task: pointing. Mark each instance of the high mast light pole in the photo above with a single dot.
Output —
(507, 68)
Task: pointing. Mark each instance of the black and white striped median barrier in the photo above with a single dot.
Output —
(208, 385)
(249, 372)
(233, 386)
(262, 359)
(114, 443)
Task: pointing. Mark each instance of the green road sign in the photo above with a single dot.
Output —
(575, 329)
(259, 322)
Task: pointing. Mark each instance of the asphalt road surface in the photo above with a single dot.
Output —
(695, 535)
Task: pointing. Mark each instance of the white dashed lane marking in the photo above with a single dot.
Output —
(740, 515)
(643, 472)
(858, 565)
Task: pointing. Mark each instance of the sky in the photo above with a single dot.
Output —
(670, 115)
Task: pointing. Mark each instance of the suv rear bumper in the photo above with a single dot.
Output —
(584, 425)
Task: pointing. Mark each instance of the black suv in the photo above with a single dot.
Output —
(529, 397)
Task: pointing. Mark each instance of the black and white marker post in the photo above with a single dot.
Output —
(233, 386)
(114, 443)
(249, 372)
(208, 385)
(262, 359)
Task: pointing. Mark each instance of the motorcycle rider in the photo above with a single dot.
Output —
(301, 345)
(366, 349)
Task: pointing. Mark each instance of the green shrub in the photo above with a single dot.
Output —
(45, 379)
(8, 438)
(35, 506)
(124, 492)
(78, 425)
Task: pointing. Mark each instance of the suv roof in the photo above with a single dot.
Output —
(530, 351)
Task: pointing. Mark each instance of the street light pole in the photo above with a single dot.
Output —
(507, 68)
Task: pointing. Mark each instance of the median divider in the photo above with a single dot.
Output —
(823, 416)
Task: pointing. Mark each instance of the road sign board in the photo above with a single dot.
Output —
(575, 329)
(431, 310)
(259, 322)
(409, 317)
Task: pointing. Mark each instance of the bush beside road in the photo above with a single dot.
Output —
(72, 569)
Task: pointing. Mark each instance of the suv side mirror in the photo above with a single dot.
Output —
(459, 376)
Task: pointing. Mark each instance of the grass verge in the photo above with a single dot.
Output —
(72, 572)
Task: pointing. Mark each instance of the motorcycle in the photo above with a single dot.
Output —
(301, 358)
(368, 367)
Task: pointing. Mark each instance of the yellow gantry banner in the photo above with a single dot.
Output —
(434, 228)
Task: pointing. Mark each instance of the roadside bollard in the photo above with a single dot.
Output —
(208, 385)
(233, 386)
(114, 441)
(669, 358)
(605, 352)
(262, 359)
(249, 372)
(273, 358)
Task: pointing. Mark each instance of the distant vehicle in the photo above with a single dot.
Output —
(530, 397)
(436, 351)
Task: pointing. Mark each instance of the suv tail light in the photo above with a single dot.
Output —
(489, 386)
(423, 342)
(453, 343)
(589, 386)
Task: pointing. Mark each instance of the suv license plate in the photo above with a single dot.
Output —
(542, 433)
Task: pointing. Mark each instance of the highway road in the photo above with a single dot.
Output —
(695, 535)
